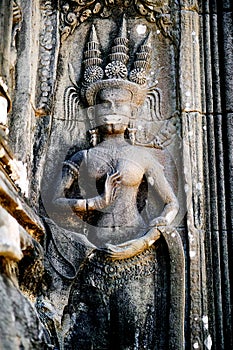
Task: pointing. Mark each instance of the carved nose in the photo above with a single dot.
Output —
(113, 107)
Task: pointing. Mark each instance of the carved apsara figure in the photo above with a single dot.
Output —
(112, 300)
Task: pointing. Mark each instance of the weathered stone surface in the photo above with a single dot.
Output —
(176, 293)
(10, 237)
(6, 23)
(189, 62)
(189, 5)
(21, 129)
(227, 59)
(19, 324)
(13, 181)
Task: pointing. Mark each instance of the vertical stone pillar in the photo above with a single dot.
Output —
(5, 44)
(207, 132)
(6, 13)
(217, 62)
(191, 100)
(22, 119)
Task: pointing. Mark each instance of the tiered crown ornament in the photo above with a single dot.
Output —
(142, 62)
(116, 72)
(92, 61)
(117, 68)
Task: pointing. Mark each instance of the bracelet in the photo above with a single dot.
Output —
(95, 203)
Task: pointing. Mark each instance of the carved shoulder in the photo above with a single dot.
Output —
(152, 165)
(72, 165)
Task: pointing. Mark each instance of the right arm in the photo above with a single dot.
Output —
(71, 174)
(96, 203)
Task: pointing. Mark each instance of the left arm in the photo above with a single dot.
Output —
(155, 175)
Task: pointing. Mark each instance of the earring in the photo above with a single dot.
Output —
(132, 135)
(94, 137)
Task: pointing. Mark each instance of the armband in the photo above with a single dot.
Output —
(72, 167)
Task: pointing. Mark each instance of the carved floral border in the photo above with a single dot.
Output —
(75, 12)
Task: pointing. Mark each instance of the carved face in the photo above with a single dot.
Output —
(113, 107)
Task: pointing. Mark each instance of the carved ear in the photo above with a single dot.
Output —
(91, 115)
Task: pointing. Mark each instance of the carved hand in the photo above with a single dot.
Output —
(131, 248)
(159, 221)
(97, 203)
(111, 186)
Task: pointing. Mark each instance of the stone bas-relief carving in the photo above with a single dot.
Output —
(113, 105)
(75, 13)
(187, 64)
(114, 270)
(117, 292)
(119, 258)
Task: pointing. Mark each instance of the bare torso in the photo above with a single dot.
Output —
(121, 220)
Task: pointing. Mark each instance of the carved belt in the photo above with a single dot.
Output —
(104, 273)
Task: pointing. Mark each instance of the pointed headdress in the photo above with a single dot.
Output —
(116, 73)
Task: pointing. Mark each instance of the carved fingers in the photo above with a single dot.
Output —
(97, 203)
(111, 186)
(159, 221)
(133, 247)
(127, 250)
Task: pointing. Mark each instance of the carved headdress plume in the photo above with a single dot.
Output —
(116, 72)
(142, 62)
(118, 57)
(92, 60)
